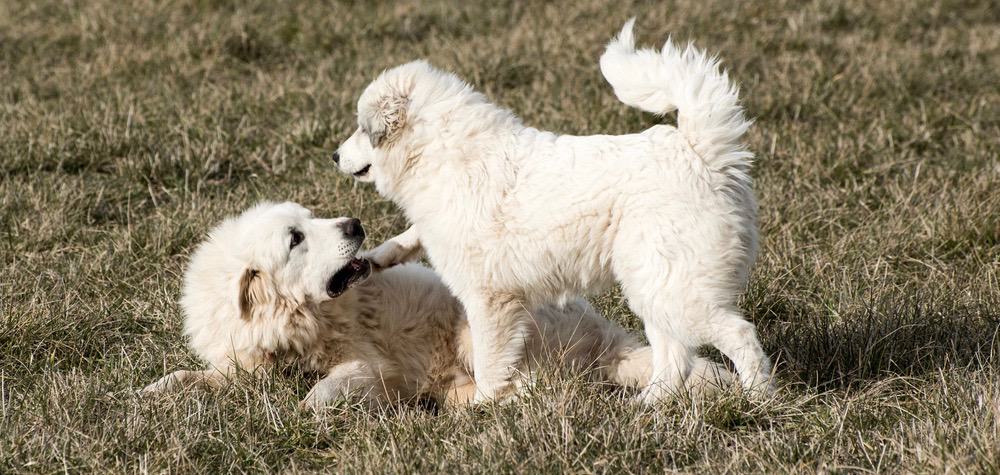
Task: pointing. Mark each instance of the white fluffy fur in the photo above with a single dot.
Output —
(513, 217)
(397, 335)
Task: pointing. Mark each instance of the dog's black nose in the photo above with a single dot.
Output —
(352, 228)
(336, 157)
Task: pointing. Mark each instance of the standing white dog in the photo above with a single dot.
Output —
(512, 216)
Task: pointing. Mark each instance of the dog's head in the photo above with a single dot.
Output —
(254, 284)
(402, 112)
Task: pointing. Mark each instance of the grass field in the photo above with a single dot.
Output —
(128, 128)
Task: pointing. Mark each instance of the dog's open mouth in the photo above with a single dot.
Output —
(362, 172)
(355, 271)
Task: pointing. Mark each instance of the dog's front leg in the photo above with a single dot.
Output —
(400, 249)
(185, 379)
(344, 381)
(498, 324)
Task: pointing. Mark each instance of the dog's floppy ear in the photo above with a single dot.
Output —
(252, 292)
(386, 118)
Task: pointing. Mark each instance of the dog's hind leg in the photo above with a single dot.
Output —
(633, 368)
(664, 315)
(737, 339)
(672, 359)
(678, 320)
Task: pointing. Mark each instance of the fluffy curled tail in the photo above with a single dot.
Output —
(708, 111)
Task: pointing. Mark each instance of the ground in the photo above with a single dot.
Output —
(128, 128)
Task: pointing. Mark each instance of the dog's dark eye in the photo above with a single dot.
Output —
(297, 238)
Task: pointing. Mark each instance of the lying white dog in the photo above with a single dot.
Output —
(278, 284)
(513, 217)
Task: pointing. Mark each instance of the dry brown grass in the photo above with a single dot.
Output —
(128, 128)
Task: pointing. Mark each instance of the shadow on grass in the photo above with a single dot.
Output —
(880, 341)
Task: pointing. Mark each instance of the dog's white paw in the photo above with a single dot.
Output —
(386, 255)
(169, 382)
(761, 388)
(317, 398)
